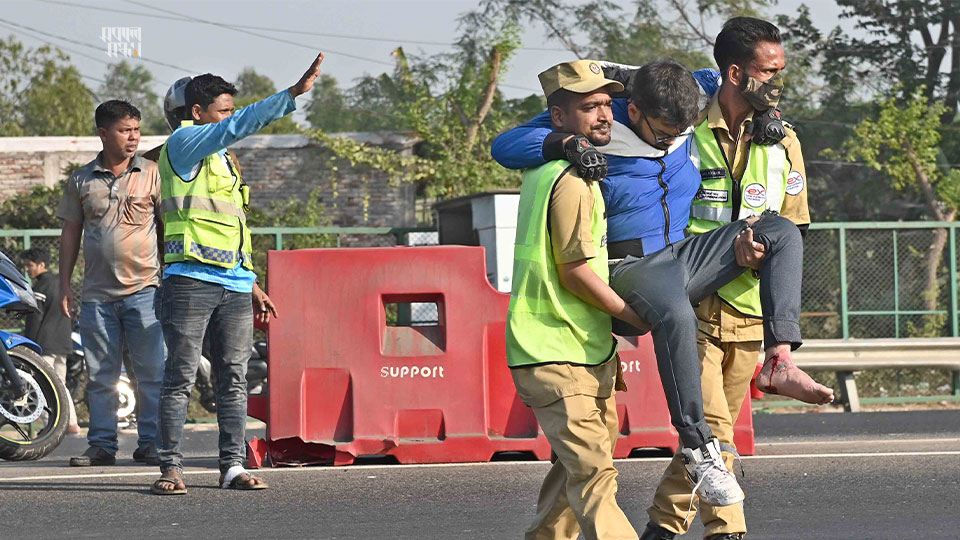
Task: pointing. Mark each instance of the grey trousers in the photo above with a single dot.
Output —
(663, 288)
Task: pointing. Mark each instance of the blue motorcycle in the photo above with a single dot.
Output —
(33, 400)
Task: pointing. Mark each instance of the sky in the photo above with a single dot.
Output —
(357, 36)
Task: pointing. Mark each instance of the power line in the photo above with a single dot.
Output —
(72, 51)
(264, 36)
(297, 44)
(82, 75)
(172, 15)
(95, 47)
(289, 31)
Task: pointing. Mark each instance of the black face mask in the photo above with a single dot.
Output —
(763, 95)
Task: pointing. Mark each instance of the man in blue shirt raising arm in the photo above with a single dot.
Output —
(209, 284)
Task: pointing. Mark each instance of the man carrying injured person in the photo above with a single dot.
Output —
(648, 190)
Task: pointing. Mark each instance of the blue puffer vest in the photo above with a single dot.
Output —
(648, 196)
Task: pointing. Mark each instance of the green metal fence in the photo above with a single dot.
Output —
(870, 280)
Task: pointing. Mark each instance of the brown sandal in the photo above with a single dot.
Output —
(244, 482)
(175, 479)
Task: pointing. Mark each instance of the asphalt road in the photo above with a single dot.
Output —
(867, 476)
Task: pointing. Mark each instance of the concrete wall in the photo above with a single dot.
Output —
(277, 167)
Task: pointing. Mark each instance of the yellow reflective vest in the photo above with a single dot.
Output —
(204, 218)
(762, 187)
(546, 323)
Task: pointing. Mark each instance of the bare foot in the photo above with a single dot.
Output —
(73, 429)
(780, 376)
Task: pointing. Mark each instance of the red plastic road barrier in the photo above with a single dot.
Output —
(642, 409)
(343, 383)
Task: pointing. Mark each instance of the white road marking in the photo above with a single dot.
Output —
(362, 468)
(861, 441)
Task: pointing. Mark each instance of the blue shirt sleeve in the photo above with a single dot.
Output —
(522, 146)
(188, 145)
(709, 80)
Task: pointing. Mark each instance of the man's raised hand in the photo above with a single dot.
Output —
(306, 82)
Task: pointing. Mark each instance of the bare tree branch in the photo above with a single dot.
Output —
(488, 94)
(681, 7)
(926, 186)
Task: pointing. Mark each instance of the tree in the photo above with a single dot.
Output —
(41, 94)
(604, 30)
(903, 141)
(134, 84)
(250, 83)
(449, 101)
(332, 110)
(253, 87)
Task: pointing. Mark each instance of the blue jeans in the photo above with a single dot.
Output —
(104, 326)
(189, 309)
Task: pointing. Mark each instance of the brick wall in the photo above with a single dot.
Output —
(277, 167)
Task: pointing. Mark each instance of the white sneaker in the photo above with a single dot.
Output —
(713, 483)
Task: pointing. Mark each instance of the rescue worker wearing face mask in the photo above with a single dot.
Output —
(749, 163)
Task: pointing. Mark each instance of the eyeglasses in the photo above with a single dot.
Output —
(663, 140)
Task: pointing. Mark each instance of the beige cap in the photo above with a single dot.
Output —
(581, 76)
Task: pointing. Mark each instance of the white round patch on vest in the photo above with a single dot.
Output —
(794, 183)
(755, 195)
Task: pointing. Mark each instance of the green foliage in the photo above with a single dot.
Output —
(293, 212)
(368, 106)
(134, 83)
(35, 209)
(604, 30)
(250, 83)
(41, 93)
(449, 101)
(903, 141)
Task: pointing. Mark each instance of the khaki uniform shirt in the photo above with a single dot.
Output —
(119, 217)
(569, 218)
(717, 318)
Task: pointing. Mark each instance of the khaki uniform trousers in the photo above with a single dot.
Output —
(729, 344)
(577, 411)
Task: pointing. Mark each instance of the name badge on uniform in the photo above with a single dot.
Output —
(713, 174)
(712, 195)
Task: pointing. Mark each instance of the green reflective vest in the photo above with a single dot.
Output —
(762, 187)
(545, 322)
(204, 219)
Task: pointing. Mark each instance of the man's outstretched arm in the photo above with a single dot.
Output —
(188, 145)
(522, 146)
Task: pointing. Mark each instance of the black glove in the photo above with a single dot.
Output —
(590, 164)
(767, 127)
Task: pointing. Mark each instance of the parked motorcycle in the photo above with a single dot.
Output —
(33, 400)
(256, 373)
(77, 382)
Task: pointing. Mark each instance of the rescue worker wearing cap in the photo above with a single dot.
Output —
(209, 285)
(560, 350)
(745, 169)
(649, 190)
